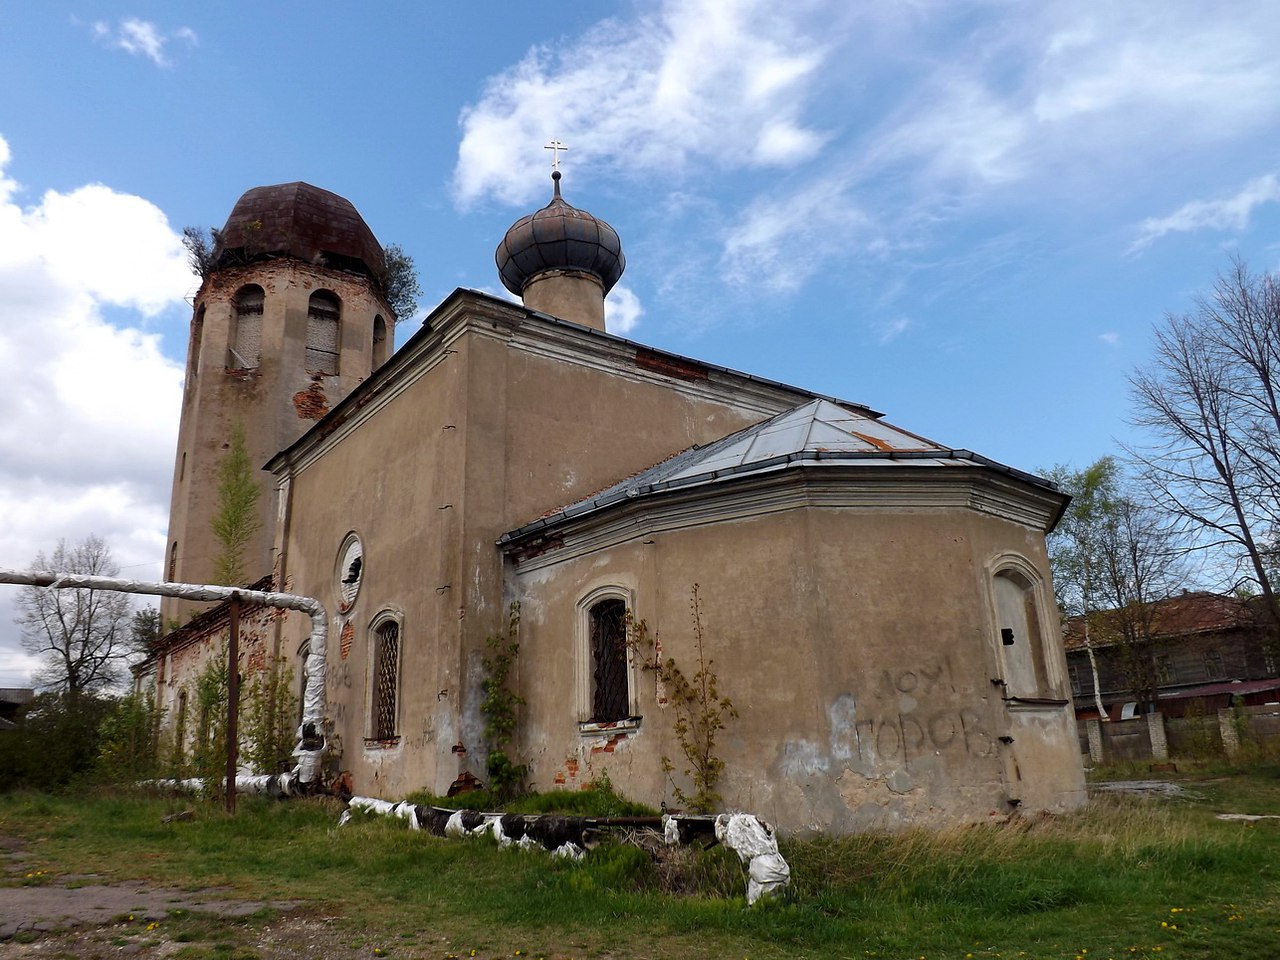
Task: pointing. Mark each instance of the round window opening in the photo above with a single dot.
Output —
(350, 570)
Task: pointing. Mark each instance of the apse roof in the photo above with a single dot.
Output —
(817, 434)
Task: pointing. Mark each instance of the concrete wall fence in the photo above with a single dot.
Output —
(1157, 738)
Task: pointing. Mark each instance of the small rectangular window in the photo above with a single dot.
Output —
(1164, 669)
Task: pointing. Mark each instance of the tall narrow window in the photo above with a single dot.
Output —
(173, 562)
(180, 734)
(610, 700)
(323, 322)
(386, 678)
(379, 342)
(1164, 668)
(193, 348)
(1213, 665)
(244, 348)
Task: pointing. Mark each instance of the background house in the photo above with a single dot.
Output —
(1206, 649)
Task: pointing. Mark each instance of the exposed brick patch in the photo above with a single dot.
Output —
(610, 744)
(311, 403)
(678, 367)
(348, 635)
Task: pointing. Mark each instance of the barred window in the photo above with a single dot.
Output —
(610, 694)
(386, 679)
(323, 326)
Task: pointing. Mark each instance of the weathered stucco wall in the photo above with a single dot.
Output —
(275, 402)
(492, 429)
(858, 645)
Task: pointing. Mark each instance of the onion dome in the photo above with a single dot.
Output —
(559, 237)
(302, 221)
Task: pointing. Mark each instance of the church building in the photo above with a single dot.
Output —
(877, 606)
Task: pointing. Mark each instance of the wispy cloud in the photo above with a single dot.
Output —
(141, 38)
(1231, 213)
(701, 81)
(1110, 338)
(893, 329)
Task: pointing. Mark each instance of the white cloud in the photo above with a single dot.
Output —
(1232, 213)
(780, 241)
(894, 329)
(141, 38)
(622, 311)
(723, 81)
(1110, 338)
(87, 415)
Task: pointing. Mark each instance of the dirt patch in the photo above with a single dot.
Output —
(79, 916)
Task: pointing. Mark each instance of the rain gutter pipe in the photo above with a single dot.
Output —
(311, 742)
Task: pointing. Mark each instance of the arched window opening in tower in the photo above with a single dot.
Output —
(379, 341)
(324, 314)
(244, 347)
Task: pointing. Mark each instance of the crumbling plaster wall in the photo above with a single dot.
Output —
(857, 646)
(275, 402)
(483, 430)
(204, 641)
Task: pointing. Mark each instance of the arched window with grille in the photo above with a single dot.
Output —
(324, 323)
(244, 346)
(610, 687)
(385, 670)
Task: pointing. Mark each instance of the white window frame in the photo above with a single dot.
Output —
(582, 662)
(1052, 656)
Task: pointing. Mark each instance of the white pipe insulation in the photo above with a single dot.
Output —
(311, 741)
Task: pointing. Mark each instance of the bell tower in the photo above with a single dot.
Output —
(290, 318)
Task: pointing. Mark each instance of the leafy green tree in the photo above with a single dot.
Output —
(400, 282)
(1114, 557)
(236, 521)
(269, 719)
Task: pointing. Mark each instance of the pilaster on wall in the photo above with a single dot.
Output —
(1159, 742)
(1094, 729)
(1230, 735)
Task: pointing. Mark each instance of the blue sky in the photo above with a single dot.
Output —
(967, 215)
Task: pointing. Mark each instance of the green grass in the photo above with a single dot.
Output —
(1125, 877)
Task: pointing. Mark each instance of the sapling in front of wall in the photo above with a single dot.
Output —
(506, 777)
(701, 713)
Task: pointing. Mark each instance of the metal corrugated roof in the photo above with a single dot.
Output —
(817, 433)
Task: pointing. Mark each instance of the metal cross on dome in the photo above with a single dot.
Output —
(555, 146)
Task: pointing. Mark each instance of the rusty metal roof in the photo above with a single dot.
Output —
(1183, 615)
(818, 433)
(559, 237)
(303, 221)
